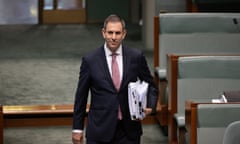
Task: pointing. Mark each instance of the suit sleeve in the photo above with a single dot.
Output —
(145, 75)
(81, 96)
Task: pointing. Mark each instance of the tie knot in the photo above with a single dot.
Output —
(114, 55)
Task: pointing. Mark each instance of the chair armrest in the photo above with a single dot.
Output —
(180, 120)
(161, 73)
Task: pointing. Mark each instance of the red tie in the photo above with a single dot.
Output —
(116, 78)
(115, 72)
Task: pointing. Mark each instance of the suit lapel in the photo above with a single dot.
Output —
(103, 62)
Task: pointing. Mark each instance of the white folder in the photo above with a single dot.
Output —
(137, 99)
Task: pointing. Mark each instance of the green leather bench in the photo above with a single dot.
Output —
(198, 77)
(206, 122)
(191, 34)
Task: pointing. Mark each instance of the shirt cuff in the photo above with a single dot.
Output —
(77, 131)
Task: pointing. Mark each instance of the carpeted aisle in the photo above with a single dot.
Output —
(39, 64)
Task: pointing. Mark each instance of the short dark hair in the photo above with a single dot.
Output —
(114, 18)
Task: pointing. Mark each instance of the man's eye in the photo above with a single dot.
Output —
(118, 33)
(111, 32)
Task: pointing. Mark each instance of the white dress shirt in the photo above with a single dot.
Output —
(119, 59)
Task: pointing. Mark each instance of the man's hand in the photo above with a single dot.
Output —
(148, 111)
(77, 138)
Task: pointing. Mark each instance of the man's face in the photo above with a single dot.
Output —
(113, 35)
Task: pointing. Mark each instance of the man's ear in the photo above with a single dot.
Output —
(125, 33)
(103, 33)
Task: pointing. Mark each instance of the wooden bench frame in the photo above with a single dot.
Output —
(191, 7)
(42, 115)
(172, 105)
(162, 112)
(37, 115)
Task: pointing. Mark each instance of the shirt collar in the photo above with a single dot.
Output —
(109, 53)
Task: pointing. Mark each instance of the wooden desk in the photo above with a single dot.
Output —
(37, 115)
(42, 115)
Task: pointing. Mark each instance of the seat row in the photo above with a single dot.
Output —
(194, 81)
(197, 57)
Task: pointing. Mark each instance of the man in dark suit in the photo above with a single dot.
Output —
(109, 119)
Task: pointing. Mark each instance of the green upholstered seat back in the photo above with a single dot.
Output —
(194, 33)
(198, 23)
(206, 77)
(217, 115)
(213, 119)
(225, 67)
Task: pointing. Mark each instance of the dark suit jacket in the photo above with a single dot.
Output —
(105, 99)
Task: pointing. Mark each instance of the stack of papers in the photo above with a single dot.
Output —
(137, 99)
(228, 96)
(222, 99)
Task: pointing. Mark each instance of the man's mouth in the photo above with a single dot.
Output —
(114, 43)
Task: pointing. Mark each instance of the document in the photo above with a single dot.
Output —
(232, 96)
(137, 99)
(221, 99)
(228, 96)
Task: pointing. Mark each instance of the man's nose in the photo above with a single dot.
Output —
(114, 36)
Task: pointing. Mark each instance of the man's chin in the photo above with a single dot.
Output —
(114, 46)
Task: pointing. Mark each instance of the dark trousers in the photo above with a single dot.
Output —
(120, 137)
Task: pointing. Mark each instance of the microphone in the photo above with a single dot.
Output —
(235, 22)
